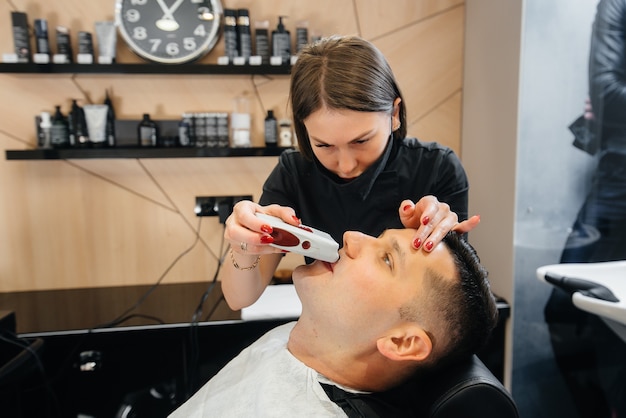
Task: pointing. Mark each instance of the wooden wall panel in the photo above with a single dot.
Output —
(377, 18)
(436, 126)
(95, 223)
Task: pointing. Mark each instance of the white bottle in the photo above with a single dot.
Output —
(240, 123)
(45, 130)
(285, 135)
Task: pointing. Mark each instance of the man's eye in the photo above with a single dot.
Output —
(387, 260)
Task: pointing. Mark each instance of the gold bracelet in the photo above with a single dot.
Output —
(256, 262)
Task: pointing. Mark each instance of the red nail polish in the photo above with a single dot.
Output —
(425, 220)
(267, 239)
(417, 242)
(428, 245)
(295, 218)
(406, 208)
(267, 229)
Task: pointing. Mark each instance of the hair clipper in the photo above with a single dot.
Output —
(302, 239)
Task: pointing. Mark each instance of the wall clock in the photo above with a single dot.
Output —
(169, 31)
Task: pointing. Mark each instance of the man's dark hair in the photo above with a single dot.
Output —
(463, 306)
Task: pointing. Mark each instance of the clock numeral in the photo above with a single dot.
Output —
(200, 31)
(138, 2)
(140, 33)
(197, 1)
(189, 43)
(155, 44)
(132, 15)
(172, 49)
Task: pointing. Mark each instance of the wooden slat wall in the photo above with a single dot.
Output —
(96, 223)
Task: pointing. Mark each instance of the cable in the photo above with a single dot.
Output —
(192, 382)
(123, 316)
(25, 346)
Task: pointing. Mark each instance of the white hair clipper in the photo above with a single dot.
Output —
(302, 239)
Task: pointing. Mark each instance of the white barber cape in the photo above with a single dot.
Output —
(264, 380)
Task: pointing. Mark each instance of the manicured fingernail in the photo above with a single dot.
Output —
(417, 242)
(266, 228)
(295, 218)
(267, 239)
(428, 245)
(425, 220)
(406, 208)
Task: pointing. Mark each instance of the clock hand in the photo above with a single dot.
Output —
(175, 6)
(167, 22)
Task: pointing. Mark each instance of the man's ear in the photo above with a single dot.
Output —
(406, 343)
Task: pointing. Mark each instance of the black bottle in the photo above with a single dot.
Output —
(59, 136)
(230, 34)
(271, 130)
(281, 41)
(110, 123)
(147, 132)
(72, 122)
(77, 125)
(244, 37)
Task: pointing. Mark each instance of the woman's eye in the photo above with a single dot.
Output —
(361, 141)
(322, 145)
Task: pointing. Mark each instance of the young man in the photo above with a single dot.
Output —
(372, 320)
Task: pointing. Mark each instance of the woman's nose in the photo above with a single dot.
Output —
(346, 163)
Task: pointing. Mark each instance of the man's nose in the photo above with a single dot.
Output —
(353, 242)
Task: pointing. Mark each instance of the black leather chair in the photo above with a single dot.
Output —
(466, 390)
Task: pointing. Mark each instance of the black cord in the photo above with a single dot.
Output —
(194, 346)
(25, 345)
(124, 315)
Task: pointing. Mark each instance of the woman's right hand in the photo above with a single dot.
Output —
(253, 260)
(247, 234)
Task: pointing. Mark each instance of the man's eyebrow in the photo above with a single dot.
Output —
(398, 250)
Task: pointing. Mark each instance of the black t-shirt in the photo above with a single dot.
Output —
(408, 169)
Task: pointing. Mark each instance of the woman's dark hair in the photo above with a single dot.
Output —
(341, 72)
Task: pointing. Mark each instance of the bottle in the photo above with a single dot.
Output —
(184, 130)
(147, 132)
(281, 42)
(59, 136)
(230, 34)
(45, 125)
(240, 123)
(244, 39)
(79, 125)
(261, 39)
(42, 45)
(285, 136)
(72, 120)
(302, 35)
(110, 123)
(271, 130)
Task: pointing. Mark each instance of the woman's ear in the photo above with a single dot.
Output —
(395, 115)
(406, 343)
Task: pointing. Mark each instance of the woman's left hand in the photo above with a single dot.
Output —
(433, 220)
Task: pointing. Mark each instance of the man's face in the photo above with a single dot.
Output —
(360, 295)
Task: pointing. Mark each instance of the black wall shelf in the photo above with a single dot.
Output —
(137, 152)
(209, 69)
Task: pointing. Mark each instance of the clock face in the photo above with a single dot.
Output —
(169, 31)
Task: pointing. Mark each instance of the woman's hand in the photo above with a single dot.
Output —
(433, 220)
(248, 234)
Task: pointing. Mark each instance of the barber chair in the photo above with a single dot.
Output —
(466, 390)
(598, 288)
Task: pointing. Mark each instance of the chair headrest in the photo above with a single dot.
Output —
(468, 389)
